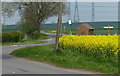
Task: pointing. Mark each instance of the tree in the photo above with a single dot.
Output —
(59, 26)
(26, 27)
(37, 12)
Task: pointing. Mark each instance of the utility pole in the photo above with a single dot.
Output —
(59, 25)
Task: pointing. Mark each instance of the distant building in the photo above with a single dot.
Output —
(85, 29)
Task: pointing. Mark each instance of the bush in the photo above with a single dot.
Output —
(12, 37)
(27, 27)
(17, 36)
(35, 35)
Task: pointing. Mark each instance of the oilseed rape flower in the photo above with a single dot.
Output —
(91, 45)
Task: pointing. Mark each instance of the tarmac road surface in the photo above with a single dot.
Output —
(12, 65)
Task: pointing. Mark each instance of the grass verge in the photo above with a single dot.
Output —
(67, 59)
(23, 42)
(28, 41)
(44, 36)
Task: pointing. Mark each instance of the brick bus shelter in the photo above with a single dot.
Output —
(85, 29)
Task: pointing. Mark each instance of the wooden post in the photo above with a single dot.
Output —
(59, 26)
(108, 29)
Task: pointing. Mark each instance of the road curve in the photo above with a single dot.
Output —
(12, 65)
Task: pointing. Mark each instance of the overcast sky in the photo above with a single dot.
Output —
(62, 0)
(104, 11)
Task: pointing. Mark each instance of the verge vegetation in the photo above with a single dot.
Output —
(67, 58)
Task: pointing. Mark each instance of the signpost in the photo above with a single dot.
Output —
(108, 27)
(70, 23)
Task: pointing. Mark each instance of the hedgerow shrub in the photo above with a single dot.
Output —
(12, 37)
(35, 35)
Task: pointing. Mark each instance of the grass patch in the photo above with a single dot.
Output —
(23, 42)
(44, 36)
(28, 41)
(67, 59)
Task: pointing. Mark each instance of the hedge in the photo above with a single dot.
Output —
(12, 36)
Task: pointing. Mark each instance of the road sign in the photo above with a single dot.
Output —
(70, 22)
(108, 27)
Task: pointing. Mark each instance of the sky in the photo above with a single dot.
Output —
(104, 11)
(62, 0)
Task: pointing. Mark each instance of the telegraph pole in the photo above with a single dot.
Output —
(59, 25)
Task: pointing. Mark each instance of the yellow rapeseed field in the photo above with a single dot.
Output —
(91, 45)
